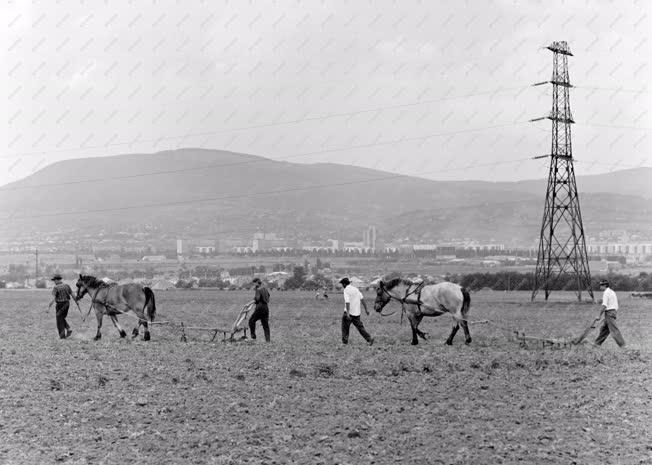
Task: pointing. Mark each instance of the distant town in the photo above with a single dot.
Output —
(166, 262)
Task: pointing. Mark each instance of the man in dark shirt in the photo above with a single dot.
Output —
(61, 295)
(261, 298)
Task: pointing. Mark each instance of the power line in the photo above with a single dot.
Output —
(613, 126)
(262, 160)
(269, 124)
(614, 89)
(254, 194)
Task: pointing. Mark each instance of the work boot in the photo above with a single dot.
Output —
(68, 332)
(371, 341)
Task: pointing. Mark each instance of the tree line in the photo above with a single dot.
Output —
(516, 281)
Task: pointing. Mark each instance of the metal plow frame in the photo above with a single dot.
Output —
(237, 327)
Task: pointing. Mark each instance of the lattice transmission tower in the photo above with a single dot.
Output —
(562, 246)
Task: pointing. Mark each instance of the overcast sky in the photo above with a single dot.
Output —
(449, 80)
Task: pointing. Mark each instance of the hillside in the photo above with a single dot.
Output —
(211, 192)
(519, 221)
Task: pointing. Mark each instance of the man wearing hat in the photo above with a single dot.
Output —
(609, 307)
(261, 298)
(353, 298)
(61, 295)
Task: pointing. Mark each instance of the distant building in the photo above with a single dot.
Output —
(154, 258)
(334, 244)
(491, 247)
(182, 247)
(228, 245)
(204, 246)
(631, 250)
(204, 249)
(269, 241)
(446, 251)
(369, 238)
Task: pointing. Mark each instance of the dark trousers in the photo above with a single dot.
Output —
(261, 313)
(357, 322)
(609, 327)
(62, 313)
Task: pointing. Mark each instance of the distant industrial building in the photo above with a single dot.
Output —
(269, 241)
(632, 250)
(182, 247)
(204, 249)
(369, 238)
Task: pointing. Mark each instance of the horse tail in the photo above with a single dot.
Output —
(466, 302)
(150, 303)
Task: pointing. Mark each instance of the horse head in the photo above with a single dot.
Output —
(85, 284)
(383, 288)
(382, 295)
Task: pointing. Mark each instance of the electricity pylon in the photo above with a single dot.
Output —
(562, 245)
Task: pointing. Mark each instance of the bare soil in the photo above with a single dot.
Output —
(305, 398)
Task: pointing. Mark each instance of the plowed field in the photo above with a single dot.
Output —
(305, 398)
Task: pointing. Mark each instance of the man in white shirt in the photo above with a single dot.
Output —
(609, 307)
(353, 298)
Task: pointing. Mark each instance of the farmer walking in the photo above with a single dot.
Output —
(353, 298)
(609, 307)
(61, 295)
(261, 299)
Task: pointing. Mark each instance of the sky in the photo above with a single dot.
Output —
(438, 89)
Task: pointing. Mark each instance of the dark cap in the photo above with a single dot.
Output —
(603, 282)
(257, 280)
(345, 281)
(56, 277)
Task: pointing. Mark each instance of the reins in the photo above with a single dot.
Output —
(91, 306)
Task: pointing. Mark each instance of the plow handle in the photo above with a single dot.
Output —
(586, 332)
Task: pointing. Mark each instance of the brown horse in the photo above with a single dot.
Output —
(115, 299)
(419, 300)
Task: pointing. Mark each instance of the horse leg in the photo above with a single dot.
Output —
(456, 326)
(420, 333)
(142, 320)
(414, 322)
(114, 319)
(467, 335)
(134, 333)
(98, 316)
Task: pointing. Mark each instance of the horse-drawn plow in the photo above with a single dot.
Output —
(418, 300)
(238, 326)
(525, 340)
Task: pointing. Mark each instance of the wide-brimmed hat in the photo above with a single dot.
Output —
(603, 282)
(257, 280)
(345, 281)
(56, 277)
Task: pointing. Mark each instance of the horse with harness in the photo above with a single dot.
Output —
(118, 299)
(418, 300)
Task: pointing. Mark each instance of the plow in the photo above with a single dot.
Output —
(525, 340)
(238, 326)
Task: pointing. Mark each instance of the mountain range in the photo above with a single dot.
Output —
(212, 193)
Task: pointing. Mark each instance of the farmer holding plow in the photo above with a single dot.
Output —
(261, 299)
(609, 307)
